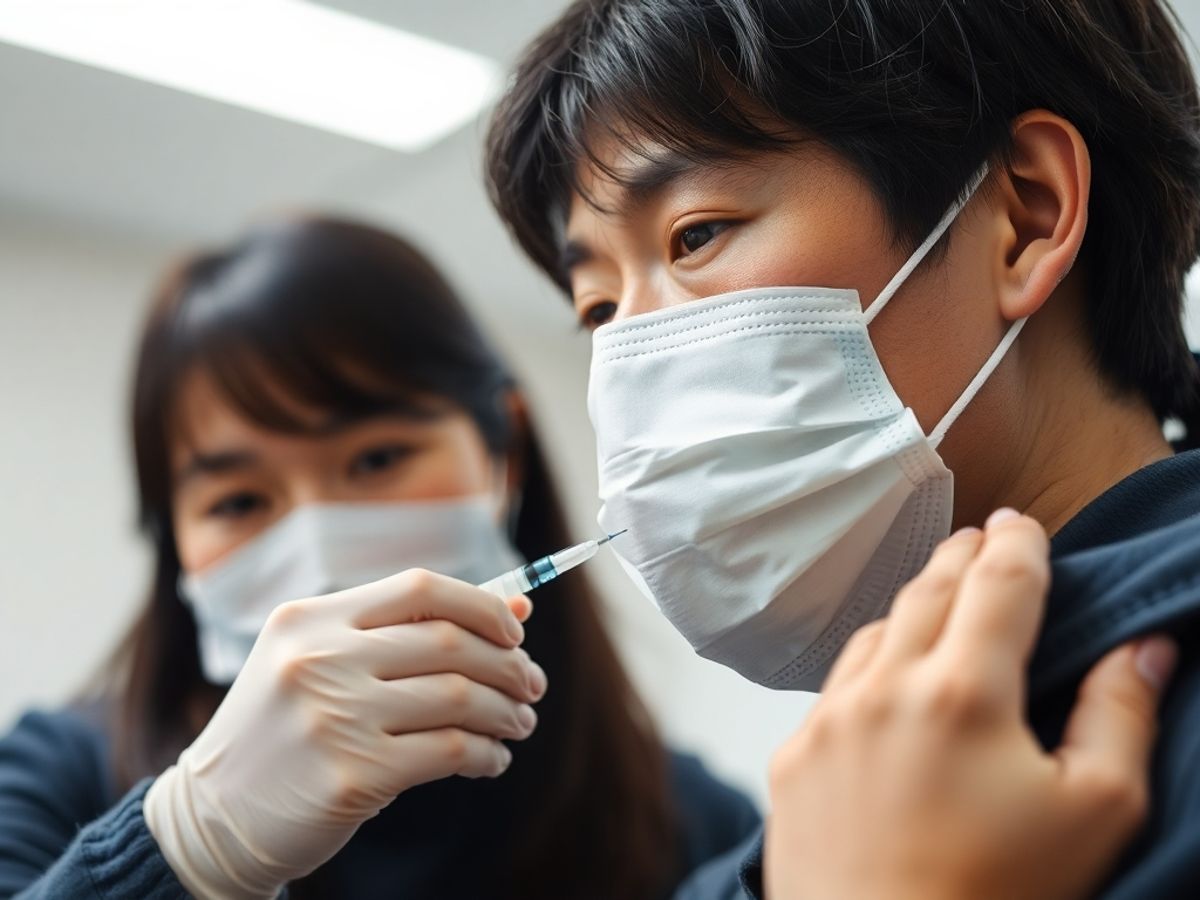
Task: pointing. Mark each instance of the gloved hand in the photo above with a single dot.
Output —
(345, 701)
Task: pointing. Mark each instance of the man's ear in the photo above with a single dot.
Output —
(1042, 213)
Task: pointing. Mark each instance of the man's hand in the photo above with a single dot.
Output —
(916, 776)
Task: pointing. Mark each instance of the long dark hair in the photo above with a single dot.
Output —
(351, 320)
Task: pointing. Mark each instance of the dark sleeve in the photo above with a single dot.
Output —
(57, 840)
(720, 826)
(735, 875)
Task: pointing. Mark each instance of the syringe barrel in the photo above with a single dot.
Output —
(565, 560)
(510, 584)
(540, 571)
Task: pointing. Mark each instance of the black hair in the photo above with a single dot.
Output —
(916, 95)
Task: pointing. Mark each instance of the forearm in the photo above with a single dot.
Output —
(115, 857)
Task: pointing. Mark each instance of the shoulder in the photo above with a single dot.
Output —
(1105, 594)
(61, 757)
(714, 816)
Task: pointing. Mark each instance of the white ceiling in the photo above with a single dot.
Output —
(87, 144)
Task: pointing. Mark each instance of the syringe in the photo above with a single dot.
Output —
(535, 574)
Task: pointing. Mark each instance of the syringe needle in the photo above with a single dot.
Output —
(611, 536)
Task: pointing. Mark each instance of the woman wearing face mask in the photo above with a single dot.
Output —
(313, 413)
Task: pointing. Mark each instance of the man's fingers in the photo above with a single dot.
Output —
(856, 655)
(417, 596)
(1107, 744)
(999, 608)
(922, 606)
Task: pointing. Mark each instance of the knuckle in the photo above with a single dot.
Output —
(1012, 568)
(417, 581)
(954, 697)
(872, 705)
(455, 746)
(448, 637)
(818, 731)
(457, 693)
(294, 670)
(344, 790)
(785, 763)
(286, 616)
(933, 580)
(1118, 794)
(315, 728)
(866, 636)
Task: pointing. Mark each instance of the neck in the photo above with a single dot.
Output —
(1073, 466)
(1075, 436)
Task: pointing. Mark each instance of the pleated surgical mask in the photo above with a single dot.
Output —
(777, 492)
(321, 548)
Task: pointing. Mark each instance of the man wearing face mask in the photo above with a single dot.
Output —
(861, 276)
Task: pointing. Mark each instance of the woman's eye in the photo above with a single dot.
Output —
(379, 459)
(236, 506)
(597, 314)
(694, 237)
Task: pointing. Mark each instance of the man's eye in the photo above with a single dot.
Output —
(237, 506)
(694, 237)
(597, 314)
(379, 459)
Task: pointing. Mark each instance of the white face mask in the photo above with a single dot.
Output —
(777, 491)
(321, 548)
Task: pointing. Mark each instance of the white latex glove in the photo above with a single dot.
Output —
(345, 701)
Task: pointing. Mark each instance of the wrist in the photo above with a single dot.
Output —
(201, 849)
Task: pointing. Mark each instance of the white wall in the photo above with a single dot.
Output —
(70, 567)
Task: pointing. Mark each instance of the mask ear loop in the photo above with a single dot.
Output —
(918, 257)
(977, 383)
(993, 361)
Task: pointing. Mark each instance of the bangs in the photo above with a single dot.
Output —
(305, 327)
(634, 79)
(710, 81)
(285, 356)
(299, 383)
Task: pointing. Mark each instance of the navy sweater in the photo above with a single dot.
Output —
(1127, 565)
(66, 834)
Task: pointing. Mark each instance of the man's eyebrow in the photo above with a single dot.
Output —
(217, 463)
(574, 253)
(640, 183)
(644, 181)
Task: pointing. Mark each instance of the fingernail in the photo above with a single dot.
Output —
(527, 717)
(505, 758)
(1000, 516)
(515, 629)
(526, 608)
(537, 680)
(963, 532)
(1155, 661)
